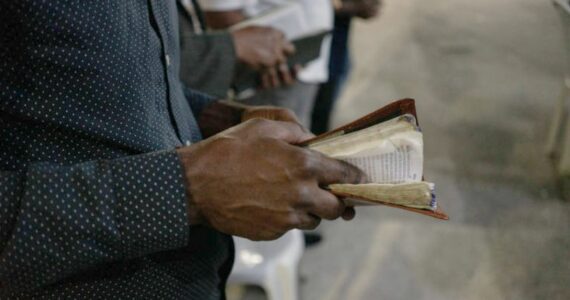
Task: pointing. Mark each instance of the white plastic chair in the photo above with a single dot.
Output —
(272, 266)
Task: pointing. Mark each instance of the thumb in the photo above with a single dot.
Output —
(291, 133)
(288, 48)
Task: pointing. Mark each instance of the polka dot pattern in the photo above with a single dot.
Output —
(92, 200)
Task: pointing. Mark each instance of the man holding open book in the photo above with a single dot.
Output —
(114, 183)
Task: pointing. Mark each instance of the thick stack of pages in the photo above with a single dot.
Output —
(388, 146)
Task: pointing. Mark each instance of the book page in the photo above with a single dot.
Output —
(394, 159)
(401, 123)
(417, 195)
(393, 154)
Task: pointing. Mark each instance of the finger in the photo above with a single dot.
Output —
(287, 115)
(270, 113)
(286, 75)
(330, 171)
(288, 48)
(273, 78)
(283, 114)
(275, 114)
(265, 81)
(308, 221)
(349, 214)
(288, 132)
(279, 35)
(285, 46)
(297, 68)
(280, 56)
(293, 133)
(326, 205)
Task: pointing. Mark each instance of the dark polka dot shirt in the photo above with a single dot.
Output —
(92, 199)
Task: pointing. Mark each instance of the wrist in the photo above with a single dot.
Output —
(193, 212)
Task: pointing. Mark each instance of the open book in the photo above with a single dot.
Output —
(388, 146)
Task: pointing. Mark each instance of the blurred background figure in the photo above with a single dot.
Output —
(280, 87)
(209, 59)
(487, 77)
(339, 62)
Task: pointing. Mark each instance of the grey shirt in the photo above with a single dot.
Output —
(208, 60)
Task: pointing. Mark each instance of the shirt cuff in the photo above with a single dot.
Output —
(151, 203)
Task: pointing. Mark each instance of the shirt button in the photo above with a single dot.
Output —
(167, 58)
(188, 143)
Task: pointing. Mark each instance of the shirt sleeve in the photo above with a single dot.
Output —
(56, 221)
(221, 5)
(197, 100)
(208, 62)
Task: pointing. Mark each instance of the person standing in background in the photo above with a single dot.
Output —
(116, 184)
(299, 97)
(339, 63)
(210, 59)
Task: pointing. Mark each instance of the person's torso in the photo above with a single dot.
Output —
(91, 80)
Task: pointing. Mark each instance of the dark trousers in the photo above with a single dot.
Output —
(339, 67)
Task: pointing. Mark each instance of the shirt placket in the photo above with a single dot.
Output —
(175, 107)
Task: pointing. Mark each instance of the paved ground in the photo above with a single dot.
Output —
(486, 75)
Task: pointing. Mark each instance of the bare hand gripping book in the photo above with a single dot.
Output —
(388, 146)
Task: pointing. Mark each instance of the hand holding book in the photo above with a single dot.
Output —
(388, 146)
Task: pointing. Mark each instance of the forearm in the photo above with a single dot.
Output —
(345, 8)
(223, 19)
(222, 115)
(64, 220)
(219, 116)
(214, 116)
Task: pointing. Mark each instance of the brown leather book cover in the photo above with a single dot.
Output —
(390, 111)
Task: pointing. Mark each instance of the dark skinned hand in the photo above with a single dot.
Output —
(251, 181)
(278, 76)
(265, 49)
(364, 9)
